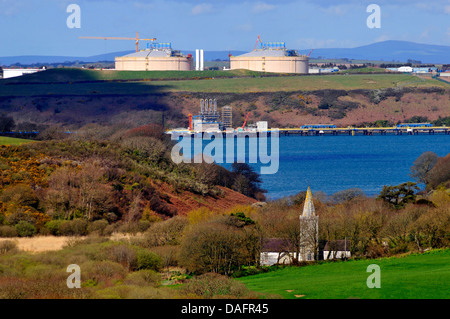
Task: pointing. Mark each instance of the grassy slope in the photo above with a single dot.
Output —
(238, 81)
(12, 141)
(411, 277)
(76, 75)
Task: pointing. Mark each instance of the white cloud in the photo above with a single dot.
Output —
(383, 37)
(9, 7)
(202, 8)
(244, 27)
(144, 6)
(262, 7)
(338, 10)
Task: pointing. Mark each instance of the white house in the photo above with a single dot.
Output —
(406, 69)
(337, 249)
(11, 73)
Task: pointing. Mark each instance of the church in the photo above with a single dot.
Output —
(280, 251)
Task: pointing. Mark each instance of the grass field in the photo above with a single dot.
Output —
(79, 75)
(12, 141)
(422, 276)
(219, 85)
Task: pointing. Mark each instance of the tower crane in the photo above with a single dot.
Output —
(258, 40)
(122, 38)
(310, 52)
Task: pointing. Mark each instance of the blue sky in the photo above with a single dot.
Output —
(38, 27)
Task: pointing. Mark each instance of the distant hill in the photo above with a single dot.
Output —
(390, 51)
(386, 51)
(108, 57)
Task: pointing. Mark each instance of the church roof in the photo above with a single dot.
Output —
(308, 208)
(338, 245)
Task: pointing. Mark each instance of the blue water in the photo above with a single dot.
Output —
(334, 163)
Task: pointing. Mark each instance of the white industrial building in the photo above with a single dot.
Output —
(12, 73)
(271, 57)
(157, 57)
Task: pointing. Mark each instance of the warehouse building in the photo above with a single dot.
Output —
(271, 57)
(157, 57)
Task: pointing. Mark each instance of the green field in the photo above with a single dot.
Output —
(81, 75)
(12, 141)
(422, 276)
(73, 82)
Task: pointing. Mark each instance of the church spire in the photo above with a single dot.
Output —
(308, 208)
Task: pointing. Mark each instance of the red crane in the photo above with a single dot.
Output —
(258, 40)
(310, 52)
(246, 118)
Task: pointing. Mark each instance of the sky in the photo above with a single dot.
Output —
(39, 27)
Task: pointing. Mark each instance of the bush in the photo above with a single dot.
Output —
(167, 232)
(124, 255)
(168, 254)
(148, 260)
(98, 227)
(102, 271)
(76, 227)
(25, 229)
(53, 226)
(8, 231)
(7, 246)
(143, 278)
(210, 285)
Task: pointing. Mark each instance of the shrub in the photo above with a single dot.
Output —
(168, 254)
(25, 229)
(7, 231)
(102, 271)
(148, 260)
(7, 246)
(210, 285)
(124, 255)
(98, 227)
(165, 233)
(143, 278)
(76, 227)
(53, 226)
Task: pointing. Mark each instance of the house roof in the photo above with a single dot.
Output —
(337, 245)
(276, 245)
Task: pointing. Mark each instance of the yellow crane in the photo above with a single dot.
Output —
(122, 38)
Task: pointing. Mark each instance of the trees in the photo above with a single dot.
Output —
(247, 181)
(221, 245)
(399, 195)
(439, 173)
(6, 123)
(422, 166)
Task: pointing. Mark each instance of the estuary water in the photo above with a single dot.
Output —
(333, 163)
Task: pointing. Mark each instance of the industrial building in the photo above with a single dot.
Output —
(271, 57)
(12, 73)
(157, 57)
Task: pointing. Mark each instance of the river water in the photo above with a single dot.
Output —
(334, 163)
